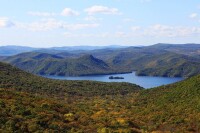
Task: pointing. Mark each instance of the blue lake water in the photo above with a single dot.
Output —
(144, 81)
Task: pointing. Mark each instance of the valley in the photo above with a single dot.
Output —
(32, 103)
(164, 60)
(100, 66)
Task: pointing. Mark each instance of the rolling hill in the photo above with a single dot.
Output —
(12, 77)
(157, 60)
(153, 62)
(50, 64)
(13, 50)
(30, 103)
(170, 60)
(170, 65)
(174, 108)
(185, 49)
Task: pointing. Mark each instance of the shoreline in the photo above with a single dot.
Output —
(84, 75)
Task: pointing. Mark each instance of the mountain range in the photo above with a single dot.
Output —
(14, 49)
(49, 64)
(157, 60)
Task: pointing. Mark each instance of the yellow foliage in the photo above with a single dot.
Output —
(121, 121)
(98, 114)
(69, 117)
(104, 130)
(115, 113)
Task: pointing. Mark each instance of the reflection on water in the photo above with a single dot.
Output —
(144, 81)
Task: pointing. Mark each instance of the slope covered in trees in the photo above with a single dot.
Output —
(156, 60)
(30, 103)
(174, 107)
(12, 77)
(50, 64)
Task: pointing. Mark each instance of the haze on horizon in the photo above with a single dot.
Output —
(54, 23)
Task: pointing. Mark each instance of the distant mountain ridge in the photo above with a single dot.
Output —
(49, 64)
(150, 61)
(14, 49)
(157, 60)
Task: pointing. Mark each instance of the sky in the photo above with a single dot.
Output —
(50, 23)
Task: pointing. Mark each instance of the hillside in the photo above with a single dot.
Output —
(24, 112)
(175, 107)
(50, 64)
(171, 60)
(169, 65)
(185, 49)
(155, 63)
(157, 60)
(32, 103)
(15, 78)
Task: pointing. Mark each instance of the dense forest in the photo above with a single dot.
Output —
(12, 77)
(50, 64)
(31, 103)
(156, 60)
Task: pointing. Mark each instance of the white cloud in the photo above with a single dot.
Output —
(92, 18)
(73, 35)
(51, 24)
(160, 30)
(89, 35)
(65, 12)
(135, 28)
(128, 20)
(154, 31)
(120, 34)
(79, 26)
(193, 15)
(69, 12)
(44, 25)
(6, 23)
(102, 9)
(160, 27)
(42, 14)
(69, 34)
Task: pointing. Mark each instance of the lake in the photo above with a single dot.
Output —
(144, 81)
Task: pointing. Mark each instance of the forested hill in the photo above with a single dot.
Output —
(31, 103)
(157, 60)
(174, 107)
(11, 77)
(50, 64)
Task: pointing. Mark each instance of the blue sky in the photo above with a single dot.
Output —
(47, 23)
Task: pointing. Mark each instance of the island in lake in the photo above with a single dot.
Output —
(112, 77)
